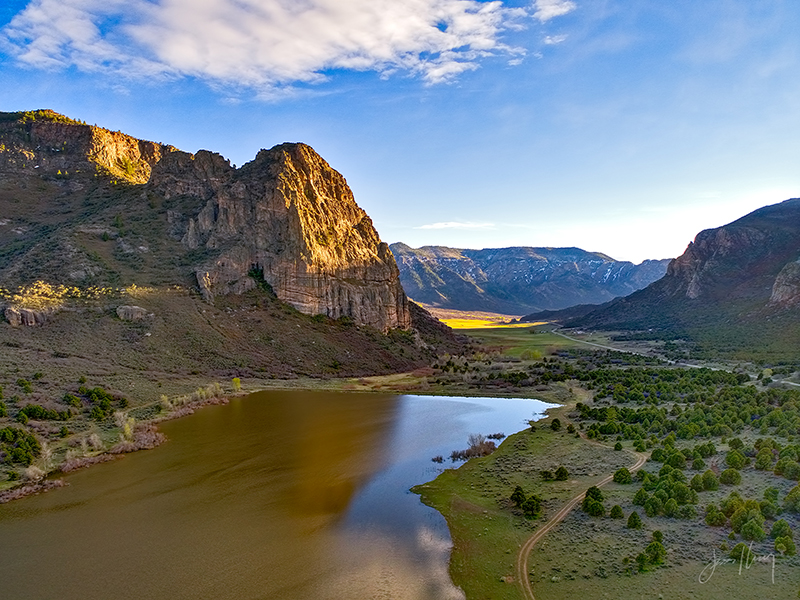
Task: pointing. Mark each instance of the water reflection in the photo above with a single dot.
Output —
(278, 495)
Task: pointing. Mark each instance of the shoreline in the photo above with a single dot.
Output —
(147, 436)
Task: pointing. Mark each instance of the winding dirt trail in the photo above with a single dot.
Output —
(525, 551)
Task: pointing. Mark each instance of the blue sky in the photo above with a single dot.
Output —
(618, 126)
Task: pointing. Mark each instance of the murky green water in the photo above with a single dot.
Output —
(279, 495)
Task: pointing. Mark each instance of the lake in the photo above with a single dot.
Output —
(277, 495)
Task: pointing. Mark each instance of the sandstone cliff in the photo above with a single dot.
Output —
(292, 218)
(110, 204)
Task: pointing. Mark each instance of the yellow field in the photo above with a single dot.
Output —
(483, 324)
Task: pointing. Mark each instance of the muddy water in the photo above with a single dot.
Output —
(279, 495)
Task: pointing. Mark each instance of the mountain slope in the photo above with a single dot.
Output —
(270, 268)
(735, 286)
(517, 280)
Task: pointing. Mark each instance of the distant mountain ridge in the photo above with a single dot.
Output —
(736, 286)
(517, 280)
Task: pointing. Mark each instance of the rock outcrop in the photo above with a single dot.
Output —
(288, 217)
(285, 219)
(131, 313)
(47, 142)
(737, 277)
(29, 317)
(786, 289)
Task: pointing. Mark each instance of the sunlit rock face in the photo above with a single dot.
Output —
(290, 218)
(286, 218)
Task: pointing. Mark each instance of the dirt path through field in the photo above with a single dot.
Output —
(524, 553)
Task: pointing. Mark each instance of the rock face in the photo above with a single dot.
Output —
(288, 217)
(743, 273)
(48, 142)
(786, 289)
(518, 280)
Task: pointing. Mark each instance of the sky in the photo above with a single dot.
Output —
(618, 126)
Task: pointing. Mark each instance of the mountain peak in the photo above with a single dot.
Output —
(286, 215)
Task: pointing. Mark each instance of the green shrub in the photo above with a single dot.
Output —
(764, 459)
(781, 528)
(19, 446)
(752, 530)
(791, 470)
(640, 497)
(785, 545)
(715, 518)
(594, 508)
(532, 506)
(736, 460)
(72, 400)
(730, 477)
(562, 474)
(40, 413)
(738, 519)
(741, 552)
(653, 507)
(698, 464)
(677, 460)
(710, 480)
(655, 552)
(518, 496)
(771, 494)
(792, 501)
(555, 425)
(634, 521)
(616, 512)
(623, 476)
(768, 508)
(618, 446)
(594, 493)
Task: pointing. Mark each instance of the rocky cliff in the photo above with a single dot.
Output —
(292, 218)
(518, 280)
(286, 219)
(740, 281)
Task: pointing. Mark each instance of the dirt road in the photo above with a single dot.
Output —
(522, 558)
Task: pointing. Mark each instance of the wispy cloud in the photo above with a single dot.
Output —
(549, 9)
(552, 40)
(457, 225)
(267, 43)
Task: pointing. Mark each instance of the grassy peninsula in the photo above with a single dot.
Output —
(717, 502)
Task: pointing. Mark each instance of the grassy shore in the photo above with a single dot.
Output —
(475, 500)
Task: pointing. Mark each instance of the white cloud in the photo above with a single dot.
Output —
(552, 40)
(549, 9)
(265, 43)
(457, 225)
